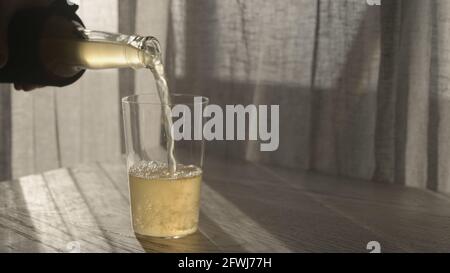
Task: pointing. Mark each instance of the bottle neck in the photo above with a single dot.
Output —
(99, 50)
(137, 51)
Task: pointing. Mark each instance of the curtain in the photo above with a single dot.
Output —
(412, 122)
(362, 89)
(318, 60)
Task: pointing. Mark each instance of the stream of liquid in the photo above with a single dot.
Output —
(157, 69)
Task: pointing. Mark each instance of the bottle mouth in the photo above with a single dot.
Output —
(150, 52)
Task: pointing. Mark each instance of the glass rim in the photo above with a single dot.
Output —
(134, 99)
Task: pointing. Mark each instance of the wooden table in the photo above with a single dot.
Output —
(245, 207)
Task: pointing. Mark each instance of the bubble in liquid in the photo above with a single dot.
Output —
(154, 169)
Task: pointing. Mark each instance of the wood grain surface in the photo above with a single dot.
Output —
(246, 207)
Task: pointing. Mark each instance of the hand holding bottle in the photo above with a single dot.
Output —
(46, 44)
(7, 10)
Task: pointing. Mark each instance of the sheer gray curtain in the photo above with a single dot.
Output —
(362, 89)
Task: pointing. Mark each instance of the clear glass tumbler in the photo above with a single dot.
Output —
(164, 200)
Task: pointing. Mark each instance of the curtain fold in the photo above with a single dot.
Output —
(412, 127)
(5, 132)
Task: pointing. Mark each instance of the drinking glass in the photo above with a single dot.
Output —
(164, 202)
